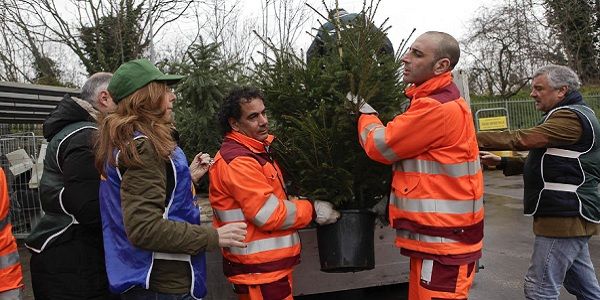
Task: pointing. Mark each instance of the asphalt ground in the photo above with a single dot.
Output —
(506, 254)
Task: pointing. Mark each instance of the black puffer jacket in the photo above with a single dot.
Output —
(69, 260)
(76, 157)
(79, 177)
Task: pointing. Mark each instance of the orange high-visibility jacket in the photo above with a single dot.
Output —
(436, 200)
(246, 185)
(11, 276)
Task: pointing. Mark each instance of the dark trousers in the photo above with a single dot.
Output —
(72, 269)
(142, 294)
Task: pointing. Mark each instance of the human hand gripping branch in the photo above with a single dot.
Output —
(365, 108)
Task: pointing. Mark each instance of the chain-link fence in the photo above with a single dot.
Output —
(521, 112)
(22, 161)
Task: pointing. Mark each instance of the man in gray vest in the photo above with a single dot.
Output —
(67, 260)
(561, 176)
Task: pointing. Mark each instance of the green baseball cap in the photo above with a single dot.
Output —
(135, 74)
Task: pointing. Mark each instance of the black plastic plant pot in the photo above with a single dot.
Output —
(348, 245)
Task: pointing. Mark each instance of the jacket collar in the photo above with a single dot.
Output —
(571, 98)
(428, 87)
(255, 146)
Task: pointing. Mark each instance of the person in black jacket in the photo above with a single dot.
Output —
(67, 260)
(326, 33)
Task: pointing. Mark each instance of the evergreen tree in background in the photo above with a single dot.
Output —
(46, 71)
(316, 126)
(208, 78)
(115, 39)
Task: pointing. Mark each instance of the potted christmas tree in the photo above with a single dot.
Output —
(316, 127)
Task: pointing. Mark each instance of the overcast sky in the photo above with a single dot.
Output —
(424, 15)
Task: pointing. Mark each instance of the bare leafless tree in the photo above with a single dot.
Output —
(290, 18)
(24, 55)
(577, 25)
(283, 22)
(505, 44)
(222, 23)
(62, 22)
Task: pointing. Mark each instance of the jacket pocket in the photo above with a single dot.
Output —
(406, 183)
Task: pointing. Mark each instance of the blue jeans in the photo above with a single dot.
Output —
(558, 261)
(143, 294)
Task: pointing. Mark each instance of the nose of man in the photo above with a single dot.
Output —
(263, 120)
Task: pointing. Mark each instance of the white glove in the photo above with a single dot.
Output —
(325, 213)
(365, 108)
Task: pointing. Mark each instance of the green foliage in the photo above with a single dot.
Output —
(316, 126)
(115, 39)
(46, 72)
(208, 78)
(576, 22)
(590, 89)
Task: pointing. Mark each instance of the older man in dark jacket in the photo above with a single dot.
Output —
(67, 260)
(561, 176)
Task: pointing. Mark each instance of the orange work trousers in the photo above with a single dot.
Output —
(431, 280)
(278, 290)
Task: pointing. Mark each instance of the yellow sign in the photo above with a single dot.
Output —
(493, 123)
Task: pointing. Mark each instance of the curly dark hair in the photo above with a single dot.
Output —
(230, 107)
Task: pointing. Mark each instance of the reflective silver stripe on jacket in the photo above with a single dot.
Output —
(436, 168)
(437, 205)
(9, 259)
(4, 221)
(265, 212)
(172, 256)
(269, 208)
(365, 132)
(382, 147)
(267, 244)
(553, 186)
(563, 153)
(14, 294)
(290, 217)
(422, 237)
(230, 215)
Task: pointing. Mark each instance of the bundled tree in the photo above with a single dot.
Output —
(318, 143)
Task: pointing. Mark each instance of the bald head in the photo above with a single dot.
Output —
(447, 46)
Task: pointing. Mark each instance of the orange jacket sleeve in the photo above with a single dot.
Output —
(420, 128)
(260, 197)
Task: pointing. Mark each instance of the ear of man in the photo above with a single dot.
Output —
(441, 66)
(562, 91)
(103, 98)
(233, 124)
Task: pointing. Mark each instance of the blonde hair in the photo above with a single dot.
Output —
(140, 112)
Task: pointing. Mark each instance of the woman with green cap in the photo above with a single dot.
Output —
(153, 239)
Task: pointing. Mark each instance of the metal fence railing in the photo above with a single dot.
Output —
(21, 159)
(521, 112)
